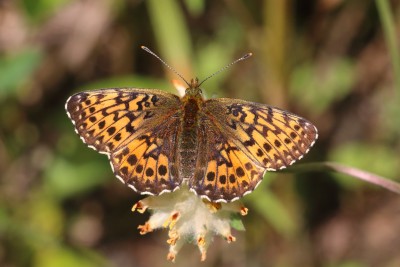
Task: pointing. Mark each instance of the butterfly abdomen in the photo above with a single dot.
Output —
(188, 148)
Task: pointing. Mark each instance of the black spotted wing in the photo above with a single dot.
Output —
(136, 128)
(242, 140)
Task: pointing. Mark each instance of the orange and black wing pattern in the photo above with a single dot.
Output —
(136, 128)
(243, 140)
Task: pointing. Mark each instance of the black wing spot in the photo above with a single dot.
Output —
(149, 172)
(210, 176)
(132, 160)
(267, 147)
(125, 151)
(111, 130)
(154, 99)
(250, 142)
(232, 178)
(139, 168)
(102, 124)
(162, 170)
(260, 153)
(248, 166)
(277, 143)
(117, 137)
(129, 128)
(240, 171)
(222, 179)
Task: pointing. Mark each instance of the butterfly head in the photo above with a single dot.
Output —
(194, 88)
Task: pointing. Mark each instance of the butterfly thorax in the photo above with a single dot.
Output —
(188, 147)
(192, 101)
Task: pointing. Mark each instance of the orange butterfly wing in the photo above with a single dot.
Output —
(136, 128)
(240, 141)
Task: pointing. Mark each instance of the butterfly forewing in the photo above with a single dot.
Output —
(133, 127)
(109, 118)
(273, 137)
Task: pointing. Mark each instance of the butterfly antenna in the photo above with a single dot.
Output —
(227, 66)
(165, 63)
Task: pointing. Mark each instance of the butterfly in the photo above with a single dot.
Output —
(157, 142)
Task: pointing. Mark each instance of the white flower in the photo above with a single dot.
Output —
(189, 219)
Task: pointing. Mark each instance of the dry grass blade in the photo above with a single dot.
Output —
(351, 171)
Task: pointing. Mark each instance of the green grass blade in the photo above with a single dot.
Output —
(390, 36)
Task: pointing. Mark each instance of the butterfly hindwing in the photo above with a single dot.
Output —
(223, 171)
(148, 163)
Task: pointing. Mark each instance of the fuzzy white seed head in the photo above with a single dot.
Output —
(188, 218)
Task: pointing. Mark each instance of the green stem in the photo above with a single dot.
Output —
(390, 36)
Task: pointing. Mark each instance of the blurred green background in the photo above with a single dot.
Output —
(333, 62)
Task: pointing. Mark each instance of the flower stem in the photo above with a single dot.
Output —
(351, 171)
